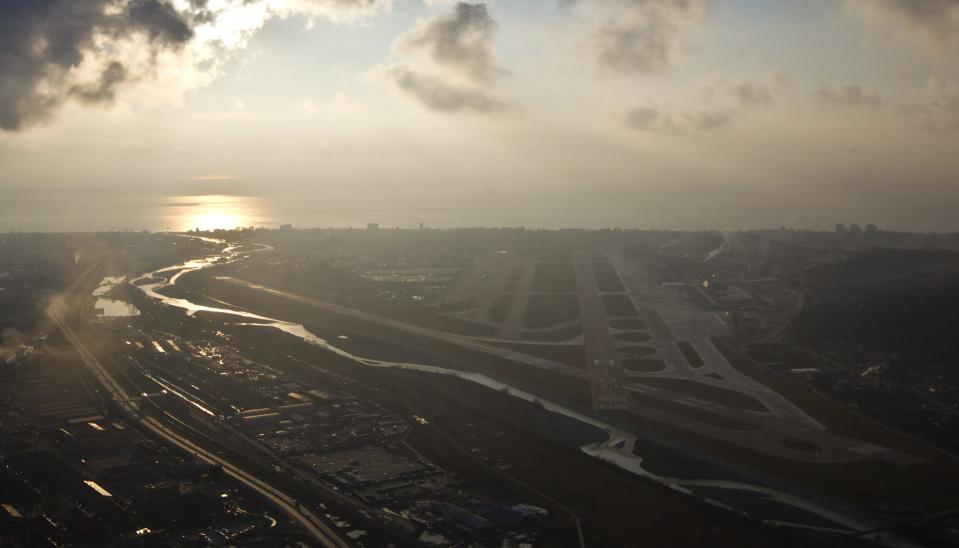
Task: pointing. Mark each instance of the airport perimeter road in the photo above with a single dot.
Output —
(605, 372)
(323, 533)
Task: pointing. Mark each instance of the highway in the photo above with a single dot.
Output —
(58, 311)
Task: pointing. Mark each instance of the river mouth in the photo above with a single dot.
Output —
(619, 449)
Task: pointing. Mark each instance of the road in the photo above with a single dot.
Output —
(58, 311)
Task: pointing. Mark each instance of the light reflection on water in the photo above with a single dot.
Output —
(213, 212)
(114, 308)
(97, 211)
(617, 449)
(106, 307)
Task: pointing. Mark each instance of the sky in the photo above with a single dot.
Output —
(678, 114)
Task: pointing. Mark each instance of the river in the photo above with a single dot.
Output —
(617, 449)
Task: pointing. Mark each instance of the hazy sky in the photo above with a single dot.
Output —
(637, 113)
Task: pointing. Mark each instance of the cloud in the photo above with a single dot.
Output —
(930, 22)
(461, 40)
(750, 94)
(849, 95)
(942, 105)
(441, 95)
(45, 51)
(652, 119)
(101, 91)
(649, 119)
(780, 77)
(708, 119)
(336, 11)
(216, 178)
(463, 68)
(55, 51)
(160, 20)
(645, 34)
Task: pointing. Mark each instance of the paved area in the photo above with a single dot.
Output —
(479, 286)
(670, 318)
(602, 357)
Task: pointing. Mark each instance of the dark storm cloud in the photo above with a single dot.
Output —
(645, 35)
(54, 51)
(461, 40)
(160, 21)
(41, 41)
(849, 95)
(437, 94)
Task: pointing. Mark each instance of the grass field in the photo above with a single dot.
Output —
(555, 335)
(501, 307)
(632, 336)
(569, 354)
(549, 309)
(619, 305)
(561, 385)
(637, 351)
(707, 392)
(692, 357)
(627, 324)
(554, 277)
(608, 280)
(643, 365)
(692, 413)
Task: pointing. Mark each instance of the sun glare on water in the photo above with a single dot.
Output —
(214, 212)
